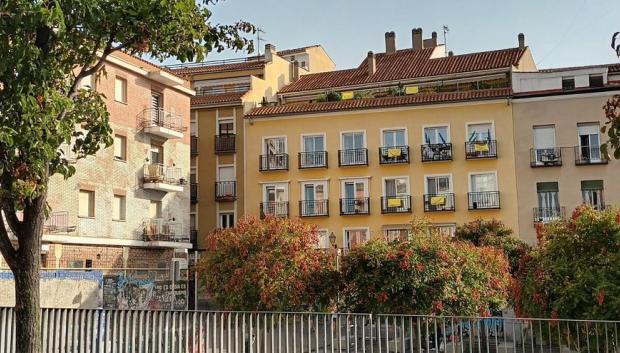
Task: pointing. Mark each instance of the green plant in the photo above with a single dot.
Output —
(271, 264)
(330, 96)
(397, 91)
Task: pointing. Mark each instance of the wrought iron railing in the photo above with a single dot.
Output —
(313, 208)
(225, 143)
(158, 173)
(225, 190)
(355, 206)
(274, 208)
(193, 192)
(483, 200)
(394, 155)
(548, 214)
(216, 62)
(223, 89)
(193, 238)
(352, 157)
(436, 152)
(589, 155)
(270, 162)
(396, 204)
(546, 157)
(316, 159)
(481, 149)
(159, 229)
(58, 223)
(439, 202)
(152, 117)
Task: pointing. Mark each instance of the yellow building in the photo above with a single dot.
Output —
(408, 132)
(225, 91)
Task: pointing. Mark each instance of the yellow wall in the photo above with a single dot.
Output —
(372, 121)
(319, 60)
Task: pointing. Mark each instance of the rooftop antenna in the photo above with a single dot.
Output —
(258, 38)
(445, 40)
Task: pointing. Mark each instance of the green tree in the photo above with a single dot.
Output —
(612, 113)
(270, 264)
(47, 47)
(427, 274)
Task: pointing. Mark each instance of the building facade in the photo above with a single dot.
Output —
(408, 132)
(557, 118)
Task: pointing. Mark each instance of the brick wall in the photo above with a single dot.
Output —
(106, 256)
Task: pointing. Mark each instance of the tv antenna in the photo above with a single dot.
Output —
(259, 31)
(445, 38)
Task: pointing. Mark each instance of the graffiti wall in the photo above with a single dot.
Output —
(122, 292)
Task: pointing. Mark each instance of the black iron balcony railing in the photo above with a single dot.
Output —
(274, 208)
(396, 204)
(546, 157)
(548, 214)
(193, 143)
(193, 238)
(437, 152)
(439, 202)
(225, 143)
(225, 190)
(313, 208)
(394, 155)
(481, 149)
(356, 206)
(589, 155)
(352, 157)
(316, 159)
(193, 192)
(483, 200)
(269, 162)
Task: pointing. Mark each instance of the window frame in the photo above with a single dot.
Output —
(123, 147)
(386, 178)
(364, 139)
(404, 129)
(91, 204)
(123, 208)
(346, 242)
(124, 88)
(471, 174)
(446, 125)
(302, 145)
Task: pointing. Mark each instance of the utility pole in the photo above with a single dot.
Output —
(445, 39)
(258, 38)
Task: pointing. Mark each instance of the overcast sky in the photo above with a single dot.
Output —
(559, 32)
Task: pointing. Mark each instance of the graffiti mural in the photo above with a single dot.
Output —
(122, 292)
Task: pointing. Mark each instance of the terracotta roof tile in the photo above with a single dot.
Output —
(374, 103)
(296, 50)
(233, 97)
(408, 64)
(207, 69)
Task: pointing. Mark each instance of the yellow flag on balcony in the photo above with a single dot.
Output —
(438, 200)
(393, 152)
(411, 90)
(395, 202)
(347, 95)
(481, 147)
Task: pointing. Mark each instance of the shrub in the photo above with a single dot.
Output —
(271, 264)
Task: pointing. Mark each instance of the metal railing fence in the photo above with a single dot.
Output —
(103, 331)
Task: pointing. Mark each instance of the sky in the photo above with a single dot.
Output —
(559, 32)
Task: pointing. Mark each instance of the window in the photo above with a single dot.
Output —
(303, 64)
(120, 148)
(483, 191)
(592, 193)
(87, 82)
(353, 150)
(275, 200)
(226, 127)
(480, 132)
(192, 174)
(192, 221)
(227, 220)
(355, 237)
(396, 186)
(440, 184)
(86, 203)
(274, 154)
(313, 152)
(568, 83)
(314, 200)
(393, 233)
(438, 193)
(589, 142)
(313, 143)
(119, 208)
(324, 242)
(75, 264)
(88, 263)
(482, 182)
(156, 153)
(437, 145)
(354, 197)
(436, 135)
(394, 138)
(596, 81)
(155, 209)
(120, 90)
(193, 127)
(353, 140)
(446, 230)
(548, 201)
(226, 173)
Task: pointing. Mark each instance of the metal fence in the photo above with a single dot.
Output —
(111, 331)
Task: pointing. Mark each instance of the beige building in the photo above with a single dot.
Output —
(557, 117)
(225, 91)
(408, 132)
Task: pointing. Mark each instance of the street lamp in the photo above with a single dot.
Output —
(332, 239)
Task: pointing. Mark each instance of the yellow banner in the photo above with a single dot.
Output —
(347, 95)
(438, 200)
(394, 152)
(411, 90)
(394, 202)
(481, 147)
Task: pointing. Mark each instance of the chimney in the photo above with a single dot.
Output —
(390, 42)
(372, 63)
(295, 70)
(416, 38)
(450, 53)
(270, 52)
(521, 41)
(434, 38)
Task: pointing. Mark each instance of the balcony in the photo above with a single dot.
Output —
(546, 157)
(273, 162)
(158, 231)
(585, 155)
(274, 209)
(58, 224)
(353, 157)
(439, 202)
(309, 160)
(356, 206)
(193, 188)
(225, 190)
(313, 208)
(437, 152)
(396, 204)
(548, 214)
(483, 200)
(193, 145)
(481, 149)
(162, 123)
(162, 178)
(225, 143)
(394, 155)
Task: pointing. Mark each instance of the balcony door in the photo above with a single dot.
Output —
(483, 187)
(352, 145)
(394, 138)
(355, 193)
(396, 187)
(156, 153)
(226, 176)
(592, 193)
(548, 200)
(590, 142)
(544, 144)
(156, 106)
(313, 195)
(313, 148)
(436, 135)
(480, 132)
(355, 237)
(483, 182)
(437, 187)
(226, 127)
(275, 198)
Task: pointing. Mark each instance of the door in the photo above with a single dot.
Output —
(548, 201)
(592, 193)
(438, 188)
(226, 178)
(157, 154)
(544, 145)
(355, 194)
(394, 138)
(483, 189)
(156, 108)
(589, 142)
(313, 197)
(313, 147)
(396, 194)
(275, 199)
(275, 149)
